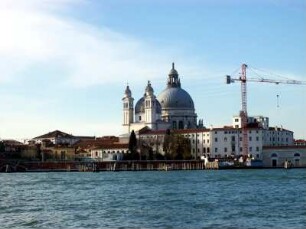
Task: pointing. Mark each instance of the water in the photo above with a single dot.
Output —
(173, 199)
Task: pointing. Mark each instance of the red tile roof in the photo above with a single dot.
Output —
(300, 141)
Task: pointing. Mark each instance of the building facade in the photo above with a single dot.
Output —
(223, 142)
(173, 108)
(276, 156)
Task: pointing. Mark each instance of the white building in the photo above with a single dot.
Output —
(254, 121)
(224, 142)
(173, 108)
(276, 156)
(110, 152)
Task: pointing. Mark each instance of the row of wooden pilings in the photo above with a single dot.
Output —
(155, 165)
(72, 166)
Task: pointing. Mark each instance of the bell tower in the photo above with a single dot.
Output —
(150, 106)
(128, 108)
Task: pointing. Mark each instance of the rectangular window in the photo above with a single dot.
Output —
(216, 150)
(174, 125)
(225, 149)
(250, 138)
(257, 138)
(208, 150)
(250, 149)
(216, 139)
(257, 148)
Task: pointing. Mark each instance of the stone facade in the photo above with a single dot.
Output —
(277, 156)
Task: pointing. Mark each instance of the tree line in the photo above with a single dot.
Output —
(175, 147)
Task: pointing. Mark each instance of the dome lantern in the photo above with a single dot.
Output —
(149, 90)
(127, 91)
(173, 78)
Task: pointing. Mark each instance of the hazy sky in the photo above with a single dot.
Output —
(64, 64)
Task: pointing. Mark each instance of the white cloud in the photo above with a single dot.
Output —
(32, 33)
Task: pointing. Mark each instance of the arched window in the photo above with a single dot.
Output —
(274, 155)
(297, 155)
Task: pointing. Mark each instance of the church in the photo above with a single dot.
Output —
(173, 108)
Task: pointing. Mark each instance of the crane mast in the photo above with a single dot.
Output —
(244, 112)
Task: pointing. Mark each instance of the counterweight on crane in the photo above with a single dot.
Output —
(243, 113)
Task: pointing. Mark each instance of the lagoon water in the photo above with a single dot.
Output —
(173, 199)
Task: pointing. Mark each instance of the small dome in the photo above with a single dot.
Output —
(173, 72)
(140, 106)
(175, 97)
(128, 92)
(149, 90)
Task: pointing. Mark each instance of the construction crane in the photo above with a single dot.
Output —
(243, 113)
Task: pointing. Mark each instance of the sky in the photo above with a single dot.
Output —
(64, 64)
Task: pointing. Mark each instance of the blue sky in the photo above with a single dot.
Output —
(65, 63)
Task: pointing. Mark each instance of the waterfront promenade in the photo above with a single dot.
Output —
(100, 166)
(75, 166)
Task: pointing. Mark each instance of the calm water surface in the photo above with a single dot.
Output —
(173, 199)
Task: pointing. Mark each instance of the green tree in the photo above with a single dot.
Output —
(181, 148)
(167, 143)
(133, 155)
(176, 146)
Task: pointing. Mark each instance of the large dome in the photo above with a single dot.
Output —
(175, 97)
